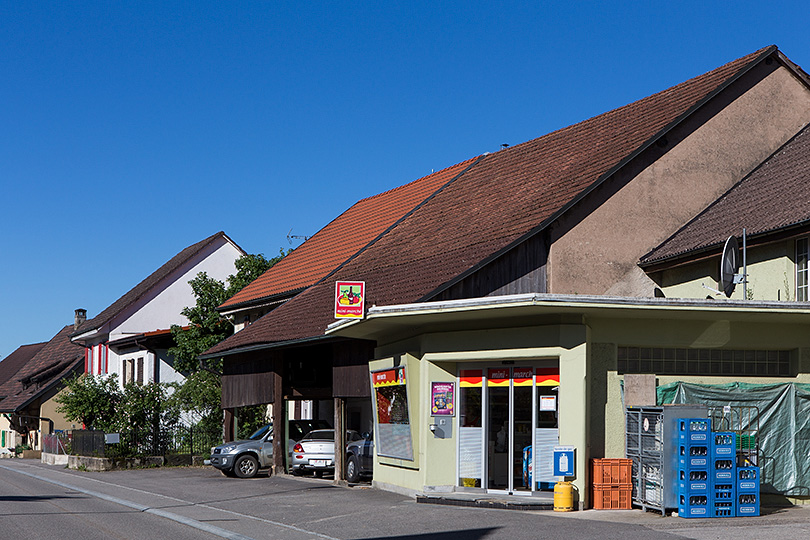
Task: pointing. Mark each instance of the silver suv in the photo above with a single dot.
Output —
(244, 458)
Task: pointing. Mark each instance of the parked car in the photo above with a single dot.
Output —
(244, 458)
(360, 458)
(316, 451)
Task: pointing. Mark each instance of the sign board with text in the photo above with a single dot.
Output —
(350, 299)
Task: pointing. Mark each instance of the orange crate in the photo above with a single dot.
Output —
(612, 497)
(612, 471)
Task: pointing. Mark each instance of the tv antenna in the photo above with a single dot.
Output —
(290, 237)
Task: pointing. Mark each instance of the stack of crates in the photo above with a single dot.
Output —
(747, 491)
(694, 496)
(710, 482)
(612, 484)
(723, 463)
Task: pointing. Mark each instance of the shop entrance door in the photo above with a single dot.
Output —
(508, 427)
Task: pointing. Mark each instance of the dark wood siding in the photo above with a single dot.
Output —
(350, 368)
(520, 270)
(248, 380)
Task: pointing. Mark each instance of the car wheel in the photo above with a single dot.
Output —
(229, 473)
(246, 467)
(352, 470)
(297, 472)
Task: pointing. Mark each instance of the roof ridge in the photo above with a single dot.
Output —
(144, 286)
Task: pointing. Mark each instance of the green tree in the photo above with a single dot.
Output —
(200, 394)
(93, 401)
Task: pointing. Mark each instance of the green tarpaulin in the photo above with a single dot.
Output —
(783, 418)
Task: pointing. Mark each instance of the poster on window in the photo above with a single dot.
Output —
(393, 434)
(442, 399)
(350, 299)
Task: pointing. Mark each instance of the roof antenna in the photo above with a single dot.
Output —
(290, 237)
(504, 146)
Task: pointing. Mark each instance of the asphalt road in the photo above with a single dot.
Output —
(43, 502)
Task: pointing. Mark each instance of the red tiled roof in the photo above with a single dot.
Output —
(773, 197)
(12, 363)
(56, 359)
(501, 200)
(147, 284)
(341, 238)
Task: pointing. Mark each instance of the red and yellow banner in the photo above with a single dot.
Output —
(522, 376)
(391, 377)
(498, 377)
(471, 378)
(548, 376)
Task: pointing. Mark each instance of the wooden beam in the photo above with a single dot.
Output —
(279, 420)
(340, 441)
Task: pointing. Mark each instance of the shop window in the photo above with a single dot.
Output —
(718, 362)
(393, 434)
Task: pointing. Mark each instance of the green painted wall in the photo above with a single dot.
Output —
(771, 276)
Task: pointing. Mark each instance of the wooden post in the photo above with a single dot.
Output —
(279, 420)
(228, 431)
(340, 441)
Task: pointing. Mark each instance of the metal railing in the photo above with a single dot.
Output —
(139, 443)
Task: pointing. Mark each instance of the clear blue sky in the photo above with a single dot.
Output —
(130, 130)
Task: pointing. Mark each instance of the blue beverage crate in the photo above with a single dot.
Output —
(724, 444)
(723, 493)
(695, 481)
(693, 456)
(747, 479)
(746, 504)
(694, 506)
(723, 509)
(723, 470)
(693, 430)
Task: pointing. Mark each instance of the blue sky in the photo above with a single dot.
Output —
(130, 130)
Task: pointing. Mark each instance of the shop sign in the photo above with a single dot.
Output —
(350, 299)
(442, 399)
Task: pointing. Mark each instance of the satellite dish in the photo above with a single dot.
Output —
(729, 266)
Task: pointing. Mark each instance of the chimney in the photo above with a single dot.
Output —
(79, 318)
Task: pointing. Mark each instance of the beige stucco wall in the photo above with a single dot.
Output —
(435, 357)
(771, 275)
(609, 333)
(598, 255)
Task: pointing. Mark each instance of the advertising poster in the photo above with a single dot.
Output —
(350, 299)
(443, 399)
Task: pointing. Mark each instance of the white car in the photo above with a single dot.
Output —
(316, 451)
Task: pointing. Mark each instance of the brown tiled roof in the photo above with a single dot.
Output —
(775, 196)
(147, 284)
(497, 203)
(12, 363)
(341, 238)
(56, 359)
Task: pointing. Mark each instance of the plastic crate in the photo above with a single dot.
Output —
(747, 479)
(693, 430)
(724, 444)
(612, 497)
(723, 509)
(747, 504)
(693, 506)
(723, 470)
(616, 471)
(723, 493)
(693, 482)
(693, 456)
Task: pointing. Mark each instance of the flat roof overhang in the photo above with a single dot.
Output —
(385, 323)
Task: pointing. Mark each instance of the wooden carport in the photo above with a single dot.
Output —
(275, 373)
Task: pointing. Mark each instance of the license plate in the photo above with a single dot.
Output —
(317, 462)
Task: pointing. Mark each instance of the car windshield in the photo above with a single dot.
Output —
(261, 432)
(299, 428)
(322, 435)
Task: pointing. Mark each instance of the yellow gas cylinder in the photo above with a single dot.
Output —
(563, 497)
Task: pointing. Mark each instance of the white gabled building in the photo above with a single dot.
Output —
(132, 336)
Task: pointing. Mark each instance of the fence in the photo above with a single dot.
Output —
(57, 443)
(138, 443)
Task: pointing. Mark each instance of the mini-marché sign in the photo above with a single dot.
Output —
(350, 299)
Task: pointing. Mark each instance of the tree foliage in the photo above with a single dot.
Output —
(93, 401)
(199, 395)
